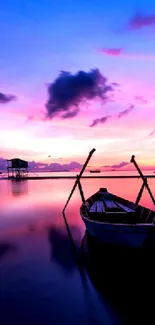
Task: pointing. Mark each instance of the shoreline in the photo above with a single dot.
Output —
(74, 177)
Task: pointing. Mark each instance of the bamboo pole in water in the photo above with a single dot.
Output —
(140, 193)
(79, 176)
(81, 190)
(143, 178)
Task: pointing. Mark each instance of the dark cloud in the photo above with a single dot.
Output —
(101, 120)
(69, 91)
(71, 113)
(139, 21)
(152, 133)
(60, 167)
(38, 166)
(104, 119)
(126, 111)
(115, 84)
(111, 51)
(54, 166)
(4, 99)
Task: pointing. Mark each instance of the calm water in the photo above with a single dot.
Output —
(40, 282)
(86, 173)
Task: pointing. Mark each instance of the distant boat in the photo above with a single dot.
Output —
(113, 220)
(95, 171)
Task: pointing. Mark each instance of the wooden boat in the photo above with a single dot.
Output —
(113, 220)
(95, 171)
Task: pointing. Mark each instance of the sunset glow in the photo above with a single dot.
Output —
(43, 38)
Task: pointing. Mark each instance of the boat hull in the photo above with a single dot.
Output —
(135, 236)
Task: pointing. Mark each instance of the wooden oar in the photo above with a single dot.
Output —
(79, 176)
(143, 178)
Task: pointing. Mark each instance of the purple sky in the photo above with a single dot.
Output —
(42, 114)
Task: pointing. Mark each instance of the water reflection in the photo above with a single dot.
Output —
(18, 187)
(60, 246)
(6, 248)
(43, 278)
(124, 278)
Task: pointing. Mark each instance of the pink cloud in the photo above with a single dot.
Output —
(140, 21)
(152, 133)
(30, 118)
(120, 165)
(141, 99)
(36, 117)
(118, 52)
(111, 51)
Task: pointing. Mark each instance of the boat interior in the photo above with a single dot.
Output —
(106, 207)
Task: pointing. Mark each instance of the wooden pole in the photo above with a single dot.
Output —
(79, 176)
(81, 190)
(143, 178)
(140, 193)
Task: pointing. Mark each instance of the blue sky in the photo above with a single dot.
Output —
(41, 37)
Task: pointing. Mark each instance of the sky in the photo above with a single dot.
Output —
(77, 75)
